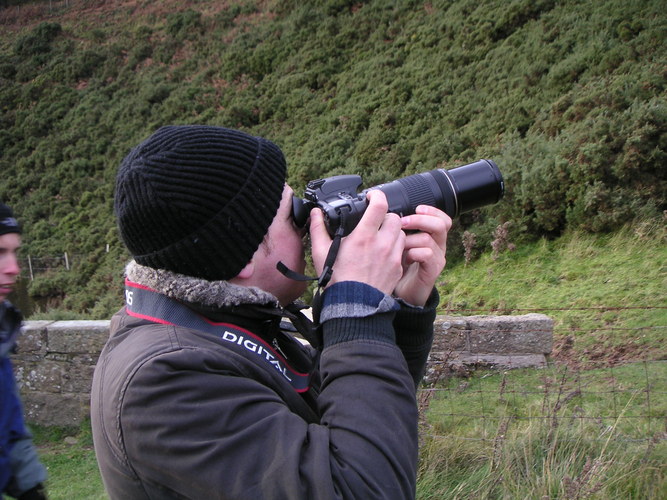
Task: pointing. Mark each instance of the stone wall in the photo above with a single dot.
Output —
(55, 361)
(489, 341)
(54, 369)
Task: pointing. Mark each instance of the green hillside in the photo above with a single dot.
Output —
(567, 97)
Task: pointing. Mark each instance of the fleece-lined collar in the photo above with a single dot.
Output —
(248, 307)
(210, 294)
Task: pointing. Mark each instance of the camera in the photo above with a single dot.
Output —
(455, 191)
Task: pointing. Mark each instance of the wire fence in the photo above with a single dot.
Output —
(31, 266)
(602, 382)
(626, 403)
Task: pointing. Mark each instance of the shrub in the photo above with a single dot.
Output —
(38, 41)
(567, 97)
(184, 25)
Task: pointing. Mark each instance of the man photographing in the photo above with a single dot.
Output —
(200, 392)
(21, 473)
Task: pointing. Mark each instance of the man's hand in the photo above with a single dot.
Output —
(372, 253)
(424, 254)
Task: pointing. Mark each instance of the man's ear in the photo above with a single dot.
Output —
(247, 271)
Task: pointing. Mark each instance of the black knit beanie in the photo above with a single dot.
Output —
(198, 200)
(8, 224)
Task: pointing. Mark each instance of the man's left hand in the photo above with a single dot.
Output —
(424, 253)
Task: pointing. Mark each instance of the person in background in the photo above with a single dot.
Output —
(22, 475)
(202, 391)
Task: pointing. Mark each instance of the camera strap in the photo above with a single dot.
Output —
(327, 270)
(145, 303)
(322, 279)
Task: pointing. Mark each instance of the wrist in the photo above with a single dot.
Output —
(356, 311)
(353, 299)
(414, 325)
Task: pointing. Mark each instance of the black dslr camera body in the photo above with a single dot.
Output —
(454, 191)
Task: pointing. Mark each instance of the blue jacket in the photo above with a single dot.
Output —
(20, 468)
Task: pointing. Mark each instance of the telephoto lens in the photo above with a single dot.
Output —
(456, 191)
(453, 191)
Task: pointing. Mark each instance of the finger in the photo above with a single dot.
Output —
(431, 210)
(424, 264)
(429, 220)
(391, 230)
(318, 228)
(422, 240)
(376, 210)
(424, 211)
(422, 255)
(320, 240)
(423, 249)
(391, 223)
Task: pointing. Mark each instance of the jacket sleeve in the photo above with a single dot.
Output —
(368, 397)
(24, 470)
(414, 334)
(27, 470)
(20, 468)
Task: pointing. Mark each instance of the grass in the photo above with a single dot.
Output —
(69, 457)
(548, 434)
(592, 425)
(629, 398)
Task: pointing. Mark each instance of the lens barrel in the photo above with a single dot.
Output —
(476, 185)
(454, 191)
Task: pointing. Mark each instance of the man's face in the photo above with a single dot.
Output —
(9, 265)
(283, 242)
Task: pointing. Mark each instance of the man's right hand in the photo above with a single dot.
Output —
(370, 254)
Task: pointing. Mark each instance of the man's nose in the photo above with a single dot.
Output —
(10, 266)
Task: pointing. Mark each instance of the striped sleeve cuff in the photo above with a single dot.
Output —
(356, 311)
(352, 299)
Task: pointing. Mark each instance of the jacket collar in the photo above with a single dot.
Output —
(214, 295)
(219, 301)
(222, 301)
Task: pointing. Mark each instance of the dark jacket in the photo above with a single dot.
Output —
(20, 468)
(178, 413)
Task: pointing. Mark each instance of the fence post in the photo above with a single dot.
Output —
(66, 262)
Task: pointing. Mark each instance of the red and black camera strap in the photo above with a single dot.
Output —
(145, 303)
